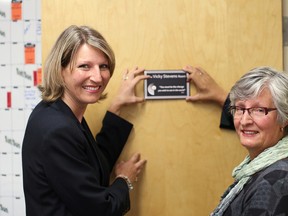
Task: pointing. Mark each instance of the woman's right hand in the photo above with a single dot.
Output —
(206, 87)
(126, 94)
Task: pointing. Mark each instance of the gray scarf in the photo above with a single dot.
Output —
(245, 170)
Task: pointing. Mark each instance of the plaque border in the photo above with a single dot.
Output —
(149, 97)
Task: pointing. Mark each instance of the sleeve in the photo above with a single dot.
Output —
(75, 181)
(226, 121)
(113, 136)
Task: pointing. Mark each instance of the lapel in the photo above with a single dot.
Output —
(83, 126)
(100, 158)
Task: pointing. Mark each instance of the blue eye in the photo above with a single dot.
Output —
(259, 110)
(104, 67)
(83, 66)
(238, 109)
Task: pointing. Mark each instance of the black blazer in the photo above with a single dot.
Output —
(65, 171)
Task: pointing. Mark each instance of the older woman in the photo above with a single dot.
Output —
(259, 106)
(66, 170)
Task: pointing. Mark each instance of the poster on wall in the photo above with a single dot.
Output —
(21, 73)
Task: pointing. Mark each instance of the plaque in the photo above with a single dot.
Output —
(166, 84)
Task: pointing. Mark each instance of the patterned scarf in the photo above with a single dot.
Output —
(244, 171)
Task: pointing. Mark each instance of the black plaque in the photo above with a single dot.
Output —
(166, 84)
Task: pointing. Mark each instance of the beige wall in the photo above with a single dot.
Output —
(189, 158)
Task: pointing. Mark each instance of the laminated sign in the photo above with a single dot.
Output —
(166, 84)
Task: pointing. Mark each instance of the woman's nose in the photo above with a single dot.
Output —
(246, 118)
(96, 74)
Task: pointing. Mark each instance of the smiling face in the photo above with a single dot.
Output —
(86, 82)
(261, 132)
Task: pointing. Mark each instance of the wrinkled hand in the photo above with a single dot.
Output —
(206, 87)
(130, 168)
(126, 94)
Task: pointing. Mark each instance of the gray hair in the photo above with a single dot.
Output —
(63, 55)
(252, 83)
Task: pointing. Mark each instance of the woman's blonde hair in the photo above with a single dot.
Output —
(63, 53)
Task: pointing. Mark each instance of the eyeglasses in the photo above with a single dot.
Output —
(238, 112)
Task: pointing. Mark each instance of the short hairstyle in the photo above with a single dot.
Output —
(252, 83)
(63, 53)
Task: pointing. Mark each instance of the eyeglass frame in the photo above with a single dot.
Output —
(266, 109)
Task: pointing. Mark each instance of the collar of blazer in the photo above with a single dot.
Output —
(83, 126)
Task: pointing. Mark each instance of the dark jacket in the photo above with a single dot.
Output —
(226, 117)
(65, 171)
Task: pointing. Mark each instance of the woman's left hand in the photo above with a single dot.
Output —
(126, 94)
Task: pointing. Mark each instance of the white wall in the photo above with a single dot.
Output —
(20, 62)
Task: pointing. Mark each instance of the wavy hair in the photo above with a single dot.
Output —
(63, 54)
